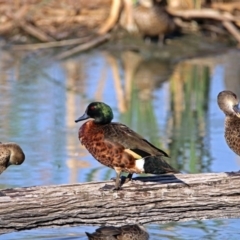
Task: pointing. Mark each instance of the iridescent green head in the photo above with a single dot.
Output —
(100, 111)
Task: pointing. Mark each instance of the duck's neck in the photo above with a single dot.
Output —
(89, 127)
(2, 168)
(232, 122)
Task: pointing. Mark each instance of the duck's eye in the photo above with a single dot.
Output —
(92, 108)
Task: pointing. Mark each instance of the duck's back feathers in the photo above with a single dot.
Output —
(123, 135)
(126, 232)
(4, 159)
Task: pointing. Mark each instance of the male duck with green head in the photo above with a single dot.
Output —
(117, 146)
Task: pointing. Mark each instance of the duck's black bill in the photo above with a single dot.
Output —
(83, 117)
(236, 109)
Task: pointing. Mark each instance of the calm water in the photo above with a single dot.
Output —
(172, 106)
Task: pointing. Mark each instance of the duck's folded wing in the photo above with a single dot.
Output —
(123, 135)
(4, 159)
(109, 231)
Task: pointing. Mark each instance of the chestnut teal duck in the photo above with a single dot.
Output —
(119, 147)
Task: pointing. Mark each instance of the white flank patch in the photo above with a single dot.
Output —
(139, 164)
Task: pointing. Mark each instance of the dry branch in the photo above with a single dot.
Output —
(229, 7)
(6, 27)
(19, 20)
(56, 19)
(83, 47)
(113, 17)
(34, 31)
(144, 200)
(233, 30)
(226, 18)
(62, 43)
(203, 13)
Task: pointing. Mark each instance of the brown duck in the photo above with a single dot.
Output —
(127, 232)
(10, 154)
(152, 20)
(229, 104)
(117, 146)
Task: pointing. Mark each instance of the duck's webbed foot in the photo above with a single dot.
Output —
(108, 187)
(117, 186)
(124, 179)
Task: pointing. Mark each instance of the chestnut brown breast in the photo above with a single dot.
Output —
(111, 154)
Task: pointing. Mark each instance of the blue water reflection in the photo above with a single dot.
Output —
(40, 99)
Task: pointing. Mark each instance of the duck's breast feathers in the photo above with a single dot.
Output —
(4, 159)
(121, 134)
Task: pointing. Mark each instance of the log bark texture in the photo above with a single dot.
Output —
(180, 197)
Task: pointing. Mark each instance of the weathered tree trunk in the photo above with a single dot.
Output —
(181, 197)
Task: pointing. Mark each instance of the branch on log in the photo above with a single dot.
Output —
(203, 13)
(6, 27)
(226, 18)
(127, 18)
(83, 47)
(62, 43)
(229, 7)
(113, 17)
(144, 200)
(233, 30)
(34, 31)
(52, 20)
(19, 20)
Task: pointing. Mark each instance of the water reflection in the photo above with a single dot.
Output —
(173, 106)
(126, 232)
(191, 230)
(188, 117)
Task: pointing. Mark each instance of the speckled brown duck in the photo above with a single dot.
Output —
(10, 154)
(228, 102)
(152, 20)
(117, 146)
(127, 232)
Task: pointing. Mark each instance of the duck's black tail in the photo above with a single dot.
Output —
(157, 165)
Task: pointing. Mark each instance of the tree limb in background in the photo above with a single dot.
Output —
(113, 17)
(203, 13)
(61, 43)
(225, 17)
(233, 30)
(19, 20)
(83, 47)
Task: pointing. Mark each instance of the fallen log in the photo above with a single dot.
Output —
(144, 200)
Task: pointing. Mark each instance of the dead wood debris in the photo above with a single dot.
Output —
(28, 21)
(228, 19)
(61, 22)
